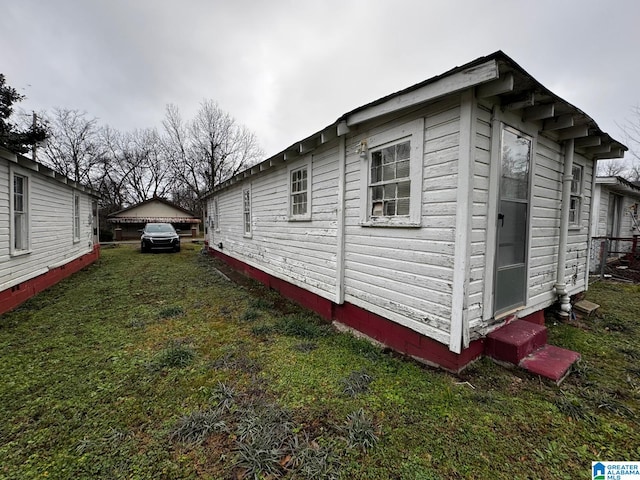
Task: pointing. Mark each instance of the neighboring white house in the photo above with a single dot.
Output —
(48, 228)
(615, 218)
(428, 218)
(129, 221)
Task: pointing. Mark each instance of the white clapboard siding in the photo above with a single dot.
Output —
(51, 222)
(300, 252)
(406, 274)
(478, 239)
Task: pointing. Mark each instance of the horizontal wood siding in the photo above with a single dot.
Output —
(406, 274)
(545, 227)
(300, 252)
(51, 220)
(478, 240)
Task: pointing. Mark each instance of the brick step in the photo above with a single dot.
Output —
(550, 362)
(515, 341)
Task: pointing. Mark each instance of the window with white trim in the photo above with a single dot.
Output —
(76, 217)
(391, 187)
(299, 193)
(575, 202)
(390, 182)
(216, 216)
(246, 211)
(20, 232)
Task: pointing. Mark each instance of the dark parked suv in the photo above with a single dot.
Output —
(159, 236)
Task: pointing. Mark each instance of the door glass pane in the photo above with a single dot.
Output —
(511, 283)
(512, 233)
(516, 153)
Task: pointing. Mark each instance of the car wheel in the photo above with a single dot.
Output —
(143, 248)
(176, 249)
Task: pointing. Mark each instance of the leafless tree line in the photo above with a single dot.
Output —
(180, 162)
(628, 167)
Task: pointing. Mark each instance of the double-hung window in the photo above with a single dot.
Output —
(216, 215)
(575, 202)
(300, 193)
(20, 214)
(391, 182)
(246, 211)
(76, 217)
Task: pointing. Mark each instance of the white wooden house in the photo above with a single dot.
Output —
(48, 228)
(616, 220)
(428, 218)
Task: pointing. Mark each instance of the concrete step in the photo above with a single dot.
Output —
(550, 362)
(514, 341)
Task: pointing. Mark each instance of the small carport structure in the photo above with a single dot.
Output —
(129, 221)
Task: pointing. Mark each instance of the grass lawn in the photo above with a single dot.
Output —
(155, 366)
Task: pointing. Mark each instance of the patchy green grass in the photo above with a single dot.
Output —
(155, 366)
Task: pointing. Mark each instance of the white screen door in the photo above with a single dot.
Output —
(513, 221)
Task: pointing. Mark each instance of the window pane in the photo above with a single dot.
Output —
(377, 193)
(512, 239)
(390, 191)
(404, 151)
(389, 172)
(376, 159)
(516, 153)
(404, 189)
(403, 206)
(576, 182)
(390, 208)
(18, 184)
(402, 169)
(388, 155)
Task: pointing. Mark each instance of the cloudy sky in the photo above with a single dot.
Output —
(288, 68)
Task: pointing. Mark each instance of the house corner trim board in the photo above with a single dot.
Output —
(459, 334)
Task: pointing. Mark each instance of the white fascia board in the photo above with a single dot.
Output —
(455, 82)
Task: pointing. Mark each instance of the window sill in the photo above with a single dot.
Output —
(391, 222)
(247, 235)
(19, 253)
(300, 219)
(575, 228)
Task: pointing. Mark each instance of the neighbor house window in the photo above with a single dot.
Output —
(299, 193)
(575, 203)
(216, 216)
(392, 182)
(76, 217)
(246, 210)
(20, 214)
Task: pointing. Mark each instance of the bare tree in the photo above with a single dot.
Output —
(612, 168)
(74, 147)
(206, 150)
(631, 132)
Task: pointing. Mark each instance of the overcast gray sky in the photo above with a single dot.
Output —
(287, 68)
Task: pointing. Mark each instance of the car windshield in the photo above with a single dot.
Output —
(159, 228)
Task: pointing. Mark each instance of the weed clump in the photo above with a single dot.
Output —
(263, 330)
(250, 315)
(356, 383)
(260, 303)
(360, 430)
(302, 326)
(177, 354)
(171, 312)
(198, 426)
